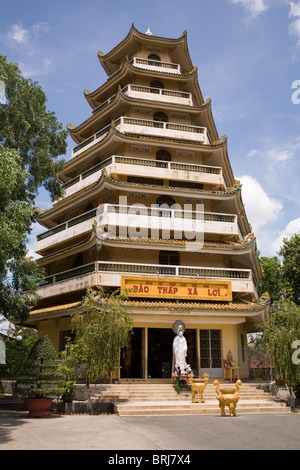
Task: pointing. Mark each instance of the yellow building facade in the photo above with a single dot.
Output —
(151, 205)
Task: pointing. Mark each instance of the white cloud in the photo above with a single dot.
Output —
(19, 34)
(292, 227)
(294, 28)
(253, 7)
(33, 70)
(278, 154)
(41, 27)
(260, 208)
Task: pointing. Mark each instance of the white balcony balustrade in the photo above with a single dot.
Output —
(141, 221)
(156, 65)
(136, 220)
(107, 273)
(70, 229)
(150, 93)
(162, 129)
(129, 166)
(146, 127)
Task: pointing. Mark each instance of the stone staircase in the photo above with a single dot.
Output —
(134, 399)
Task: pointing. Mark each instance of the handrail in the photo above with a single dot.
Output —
(190, 167)
(204, 272)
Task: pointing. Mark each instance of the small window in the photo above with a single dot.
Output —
(154, 57)
(163, 155)
(165, 201)
(159, 116)
(156, 84)
(170, 258)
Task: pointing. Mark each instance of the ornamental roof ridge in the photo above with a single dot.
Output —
(215, 245)
(127, 64)
(206, 106)
(146, 185)
(234, 306)
(133, 30)
(94, 234)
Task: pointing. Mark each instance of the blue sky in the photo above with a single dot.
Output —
(248, 58)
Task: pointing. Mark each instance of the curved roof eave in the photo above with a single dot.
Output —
(135, 36)
(128, 68)
(121, 96)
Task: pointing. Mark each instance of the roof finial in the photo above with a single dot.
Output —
(148, 32)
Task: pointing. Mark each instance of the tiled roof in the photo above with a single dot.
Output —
(56, 308)
(127, 183)
(235, 306)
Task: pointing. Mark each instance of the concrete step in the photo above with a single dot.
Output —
(133, 399)
(154, 408)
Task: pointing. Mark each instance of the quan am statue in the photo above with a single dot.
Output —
(228, 397)
(180, 351)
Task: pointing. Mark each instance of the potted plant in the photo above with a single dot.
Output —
(45, 382)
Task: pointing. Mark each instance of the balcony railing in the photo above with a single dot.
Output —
(139, 167)
(137, 220)
(149, 270)
(155, 65)
(151, 93)
(70, 223)
(147, 127)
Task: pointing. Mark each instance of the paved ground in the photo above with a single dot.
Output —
(155, 433)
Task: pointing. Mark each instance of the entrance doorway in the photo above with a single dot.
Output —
(132, 357)
(210, 353)
(160, 341)
(160, 352)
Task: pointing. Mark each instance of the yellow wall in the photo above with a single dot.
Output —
(230, 333)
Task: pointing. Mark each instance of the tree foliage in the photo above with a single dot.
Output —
(31, 140)
(101, 331)
(281, 278)
(18, 346)
(281, 330)
(272, 281)
(290, 252)
(29, 128)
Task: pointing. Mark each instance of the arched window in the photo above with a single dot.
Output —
(156, 84)
(160, 116)
(166, 200)
(163, 155)
(154, 57)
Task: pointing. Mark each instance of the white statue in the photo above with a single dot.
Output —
(180, 352)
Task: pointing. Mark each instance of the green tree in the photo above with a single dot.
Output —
(101, 331)
(34, 132)
(19, 276)
(18, 346)
(272, 281)
(290, 252)
(31, 140)
(280, 332)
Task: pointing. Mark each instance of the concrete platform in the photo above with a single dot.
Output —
(157, 434)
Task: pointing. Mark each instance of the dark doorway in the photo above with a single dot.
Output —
(160, 352)
(132, 357)
(160, 341)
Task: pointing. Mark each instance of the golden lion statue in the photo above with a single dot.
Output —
(228, 397)
(198, 385)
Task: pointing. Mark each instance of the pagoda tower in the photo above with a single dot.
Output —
(151, 205)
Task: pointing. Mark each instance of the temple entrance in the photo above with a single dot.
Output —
(211, 353)
(132, 357)
(160, 352)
